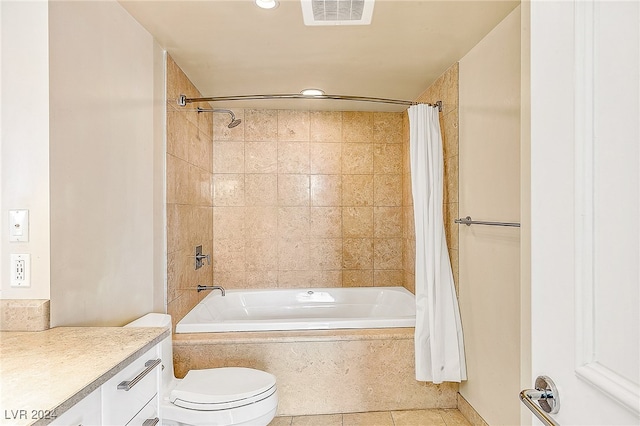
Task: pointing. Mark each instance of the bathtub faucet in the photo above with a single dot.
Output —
(210, 287)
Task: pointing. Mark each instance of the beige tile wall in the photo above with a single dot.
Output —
(307, 198)
(189, 195)
(444, 89)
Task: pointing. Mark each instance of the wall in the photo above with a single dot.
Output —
(444, 89)
(24, 135)
(489, 284)
(189, 195)
(106, 170)
(307, 198)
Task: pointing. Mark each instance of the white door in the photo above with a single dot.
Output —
(585, 190)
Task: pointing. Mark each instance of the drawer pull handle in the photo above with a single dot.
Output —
(151, 364)
(151, 422)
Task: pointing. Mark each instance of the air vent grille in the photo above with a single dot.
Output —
(337, 12)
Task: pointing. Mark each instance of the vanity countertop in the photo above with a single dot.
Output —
(46, 372)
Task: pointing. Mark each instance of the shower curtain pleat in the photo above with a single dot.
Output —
(439, 346)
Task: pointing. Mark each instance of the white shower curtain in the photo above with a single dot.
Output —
(438, 336)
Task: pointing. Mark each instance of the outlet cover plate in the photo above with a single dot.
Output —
(20, 270)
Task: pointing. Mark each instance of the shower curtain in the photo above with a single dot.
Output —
(439, 345)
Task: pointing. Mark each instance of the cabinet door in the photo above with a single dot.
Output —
(87, 412)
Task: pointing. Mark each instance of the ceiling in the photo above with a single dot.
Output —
(232, 47)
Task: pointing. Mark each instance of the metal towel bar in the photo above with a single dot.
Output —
(468, 221)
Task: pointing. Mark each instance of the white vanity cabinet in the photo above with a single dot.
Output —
(133, 391)
(80, 369)
(130, 398)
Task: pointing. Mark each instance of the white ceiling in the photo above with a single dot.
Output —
(232, 47)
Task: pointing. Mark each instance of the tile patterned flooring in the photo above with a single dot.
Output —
(433, 417)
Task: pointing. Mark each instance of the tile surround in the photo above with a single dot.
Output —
(191, 190)
(307, 181)
(286, 188)
(298, 199)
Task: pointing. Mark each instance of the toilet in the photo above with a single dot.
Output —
(226, 396)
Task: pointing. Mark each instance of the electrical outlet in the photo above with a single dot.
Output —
(20, 270)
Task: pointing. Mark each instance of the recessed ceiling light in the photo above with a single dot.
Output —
(267, 4)
(312, 92)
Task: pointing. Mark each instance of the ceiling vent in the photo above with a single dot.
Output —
(337, 12)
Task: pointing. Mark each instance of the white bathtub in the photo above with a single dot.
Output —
(301, 309)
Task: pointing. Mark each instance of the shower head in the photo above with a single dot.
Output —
(234, 121)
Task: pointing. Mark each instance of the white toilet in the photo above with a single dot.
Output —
(228, 396)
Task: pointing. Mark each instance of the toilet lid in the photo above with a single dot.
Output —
(222, 388)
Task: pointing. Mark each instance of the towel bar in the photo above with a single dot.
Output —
(468, 221)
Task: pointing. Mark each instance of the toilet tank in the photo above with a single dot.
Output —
(163, 321)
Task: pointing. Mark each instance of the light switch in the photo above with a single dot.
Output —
(19, 225)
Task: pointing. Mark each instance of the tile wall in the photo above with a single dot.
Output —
(307, 198)
(444, 89)
(294, 198)
(189, 195)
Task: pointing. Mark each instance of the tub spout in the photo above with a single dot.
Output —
(210, 287)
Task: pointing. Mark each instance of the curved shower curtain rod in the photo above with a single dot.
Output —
(183, 100)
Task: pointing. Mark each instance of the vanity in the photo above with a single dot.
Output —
(81, 375)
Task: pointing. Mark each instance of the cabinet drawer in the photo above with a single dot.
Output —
(147, 415)
(119, 406)
(85, 412)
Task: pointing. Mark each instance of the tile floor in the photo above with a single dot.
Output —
(434, 417)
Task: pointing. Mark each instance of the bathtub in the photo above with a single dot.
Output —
(301, 309)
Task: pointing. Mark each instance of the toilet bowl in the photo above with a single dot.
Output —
(227, 396)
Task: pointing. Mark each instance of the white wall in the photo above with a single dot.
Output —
(106, 165)
(490, 190)
(24, 139)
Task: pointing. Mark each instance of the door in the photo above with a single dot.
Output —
(585, 192)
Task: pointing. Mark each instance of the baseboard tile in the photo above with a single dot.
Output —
(469, 412)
